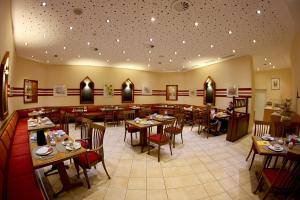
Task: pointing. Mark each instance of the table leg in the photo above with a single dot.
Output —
(67, 185)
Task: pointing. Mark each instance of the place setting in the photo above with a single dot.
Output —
(44, 152)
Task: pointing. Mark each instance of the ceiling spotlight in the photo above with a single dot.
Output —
(270, 63)
(149, 59)
(107, 60)
(44, 4)
(44, 35)
(71, 28)
(257, 69)
(175, 52)
(65, 47)
(183, 67)
(199, 55)
(46, 52)
(149, 51)
(88, 43)
(254, 41)
(233, 51)
(99, 54)
(152, 19)
(183, 41)
(273, 66)
(148, 65)
(123, 52)
(230, 32)
(258, 12)
(196, 24)
(78, 56)
(32, 56)
(107, 21)
(151, 39)
(211, 46)
(170, 60)
(127, 59)
(118, 40)
(266, 59)
(26, 43)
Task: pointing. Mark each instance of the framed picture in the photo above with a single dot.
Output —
(233, 91)
(30, 91)
(108, 90)
(60, 91)
(275, 84)
(172, 92)
(146, 90)
(4, 69)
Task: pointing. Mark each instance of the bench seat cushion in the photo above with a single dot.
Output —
(21, 139)
(19, 166)
(20, 150)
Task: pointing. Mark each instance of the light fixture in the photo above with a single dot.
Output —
(148, 65)
(152, 19)
(254, 41)
(123, 52)
(266, 59)
(44, 4)
(233, 51)
(230, 32)
(88, 43)
(175, 52)
(46, 52)
(118, 40)
(273, 66)
(196, 24)
(270, 63)
(149, 59)
(211, 46)
(44, 35)
(107, 21)
(32, 56)
(257, 69)
(183, 41)
(107, 60)
(151, 39)
(149, 51)
(65, 47)
(258, 12)
(26, 43)
(199, 55)
(170, 60)
(127, 59)
(78, 56)
(71, 28)
(99, 54)
(183, 67)
(190, 62)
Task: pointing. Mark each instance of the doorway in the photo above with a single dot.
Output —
(260, 102)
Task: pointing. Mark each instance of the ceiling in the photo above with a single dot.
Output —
(155, 35)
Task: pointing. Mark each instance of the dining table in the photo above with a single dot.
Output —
(39, 124)
(60, 150)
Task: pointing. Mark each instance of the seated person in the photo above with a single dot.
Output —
(229, 109)
(213, 120)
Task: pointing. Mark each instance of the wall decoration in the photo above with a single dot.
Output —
(147, 90)
(108, 90)
(60, 91)
(275, 84)
(172, 92)
(86, 91)
(233, 91)
(193, 92)
(4, 69)
(209, 91)
(127, 91)
(30, 91)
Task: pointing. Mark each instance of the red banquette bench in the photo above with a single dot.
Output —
(17, 177)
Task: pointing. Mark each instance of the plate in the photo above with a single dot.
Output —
(48, 123)
(275, 149)
(32, 125)
(266, 137)
(75, 146)
(43, 151)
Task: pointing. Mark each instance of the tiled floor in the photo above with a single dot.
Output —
(200, 168)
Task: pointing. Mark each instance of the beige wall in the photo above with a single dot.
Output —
(6, 39)
(236, 71)
(263, 81)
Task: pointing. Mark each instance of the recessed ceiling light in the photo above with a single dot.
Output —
(151, 39)
(266, 59)
(123, 52)
(183, 67)
(71, 28)
(44, 4)
(199, 55)
(127, 59)
(46, 52)
(175, 52)
(230, 32)
(65, 47)
(196, 24)
(258, 12)
(107, 21)
(88, 43)
(148, 65)
(257, 69)
(26, 43)
(183, 41)
(211, 46)
(32, 56)
(190, 61)
(149, 59)
(118, 40)
(149, 51)
(107, 60)
(273, 66)
(44, 35)
(170, 60)
(99, 53)
(233, 51)
(78, 56)
(152, 19)
(270, 63)
(254, 41)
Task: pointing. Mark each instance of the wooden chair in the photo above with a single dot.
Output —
(95, 154)
(162, 138)
(285, 178)
(129, 115)
(260, 128)
(206, 123)
(109, 117)
(196, 119)
(85, 137)
(282, 129)
(177, 128)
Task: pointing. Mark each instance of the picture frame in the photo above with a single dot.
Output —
(30, 91)
(146, 90)
(171, 92)
(275, 84)
(233, 91)
(60, 91)
(108, 90)
(4, 69)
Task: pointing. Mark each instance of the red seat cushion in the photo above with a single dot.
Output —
(92, 156)
(3, 156)
(21, 139)
(132, 129)
(1, 184)
(20, 150)
(24, 187)
(84, 144)
(20, 165)
(271, 174)
(158, 138)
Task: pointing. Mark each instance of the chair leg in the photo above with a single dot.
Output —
(252, 160)
(77, 168)
(149, 148)
(258, 185)
(136, 135)
(181, 138)
(86, 178)
(192, 127)
(131, 139)
(125, 136)
(158, 153)
(170, 148)
(174, 140)
(105, 169)
(267, 192)
(249, 153)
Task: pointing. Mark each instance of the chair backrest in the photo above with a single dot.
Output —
(282, 129)
(166, 135)
(205, 118)
(65, 123)
(261, 128)
(84, 129)
(180, 119)
(97, 134)
(129, 115)
(288, 176)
